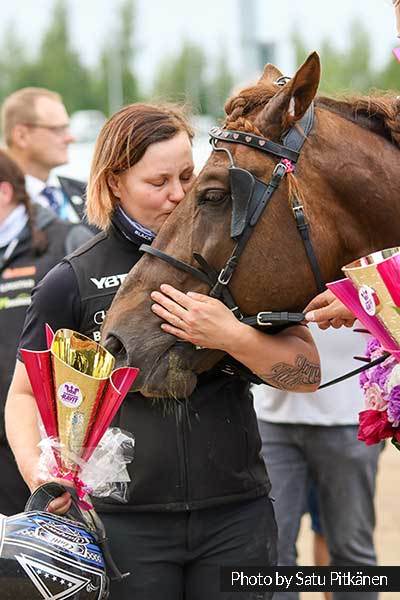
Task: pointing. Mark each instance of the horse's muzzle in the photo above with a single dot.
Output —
(114, 345)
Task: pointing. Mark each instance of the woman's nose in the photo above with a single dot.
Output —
(177, 192)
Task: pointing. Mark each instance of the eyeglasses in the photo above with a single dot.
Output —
(58, 130)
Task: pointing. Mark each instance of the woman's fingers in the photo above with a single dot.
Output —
(168, 305)
(168, 316)
(60, 505)
(323, 299)
(178, 297)
(335, 310)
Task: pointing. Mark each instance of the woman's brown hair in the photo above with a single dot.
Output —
(10, 172)
(121, 143)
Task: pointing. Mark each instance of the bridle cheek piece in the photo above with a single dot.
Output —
(250, 197)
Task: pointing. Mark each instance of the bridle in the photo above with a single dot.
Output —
(250, 197)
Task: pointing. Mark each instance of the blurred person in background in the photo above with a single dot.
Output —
(320, 548)
(32, 241)
(35, 128)
(313, 437)
(396, 4)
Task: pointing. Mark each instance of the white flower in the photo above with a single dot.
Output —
(394, 378)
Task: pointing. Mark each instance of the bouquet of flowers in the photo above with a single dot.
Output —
(381, 388)
(78, 393)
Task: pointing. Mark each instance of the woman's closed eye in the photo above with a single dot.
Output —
(159, 182)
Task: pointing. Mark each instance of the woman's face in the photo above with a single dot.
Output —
(151, 189)
(7, 203)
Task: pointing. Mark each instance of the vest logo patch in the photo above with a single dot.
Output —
(19, 284)
(99, 317)
(20, 300)
(19, 272)
(108, 282)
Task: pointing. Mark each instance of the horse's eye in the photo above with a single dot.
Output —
(212, 196)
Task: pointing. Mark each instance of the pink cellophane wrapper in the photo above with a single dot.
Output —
(105, 475)
(346, 292)
(120, 383)
(109, 397)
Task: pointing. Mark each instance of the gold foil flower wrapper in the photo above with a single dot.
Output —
(77, 393)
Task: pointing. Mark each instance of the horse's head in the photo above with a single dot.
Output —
(346, 178)
(210, 222)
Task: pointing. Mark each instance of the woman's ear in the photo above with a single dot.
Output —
(114, 183)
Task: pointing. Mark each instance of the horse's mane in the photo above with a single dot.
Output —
(378, 112)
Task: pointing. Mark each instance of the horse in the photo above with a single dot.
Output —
(345, 184)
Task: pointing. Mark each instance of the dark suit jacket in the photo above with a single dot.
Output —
(75, 192)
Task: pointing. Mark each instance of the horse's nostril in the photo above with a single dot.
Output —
(114, 345)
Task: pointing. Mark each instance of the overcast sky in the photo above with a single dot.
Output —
(163, 24)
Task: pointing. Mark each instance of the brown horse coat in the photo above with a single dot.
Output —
(347, 176)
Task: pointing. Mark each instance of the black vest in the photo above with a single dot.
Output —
(189, 454)
(17, 279)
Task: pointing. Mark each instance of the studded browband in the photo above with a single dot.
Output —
(255, 141)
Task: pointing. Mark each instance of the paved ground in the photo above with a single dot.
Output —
(388, 520)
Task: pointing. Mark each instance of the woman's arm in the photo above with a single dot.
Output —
(288, 360)
(55, 301)
(21, 421)
(21, 418)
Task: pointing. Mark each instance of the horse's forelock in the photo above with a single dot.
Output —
(377, 111)
(239, 108)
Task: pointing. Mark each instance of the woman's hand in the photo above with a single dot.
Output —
(327, 311)
(196, 318)
(60, 505)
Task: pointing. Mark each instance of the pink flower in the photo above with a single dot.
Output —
(374, 427)
(374, 399)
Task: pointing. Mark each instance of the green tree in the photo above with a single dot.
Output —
(181, 78)
(58, 66)
(387, 77)
(13, 62)
(115, 81)
(127, 50)
(348, 70)
(220, 86)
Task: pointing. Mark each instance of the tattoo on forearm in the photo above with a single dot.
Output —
(287, 377)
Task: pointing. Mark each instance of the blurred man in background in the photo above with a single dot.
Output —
(32, 241)
(35, 128)
(396, 4)
(313, 437)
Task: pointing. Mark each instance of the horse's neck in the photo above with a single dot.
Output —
(360, 201)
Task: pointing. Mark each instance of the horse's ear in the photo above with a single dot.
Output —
(291, 102)
(270, 74)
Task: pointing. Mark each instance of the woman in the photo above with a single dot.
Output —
(32, 241)
(142, 168)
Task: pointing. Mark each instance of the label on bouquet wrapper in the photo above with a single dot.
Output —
(368, 300)
(70, 395)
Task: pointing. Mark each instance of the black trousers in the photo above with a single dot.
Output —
(14, 493)
(177, 556)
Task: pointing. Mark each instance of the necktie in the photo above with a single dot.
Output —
(50, 193)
